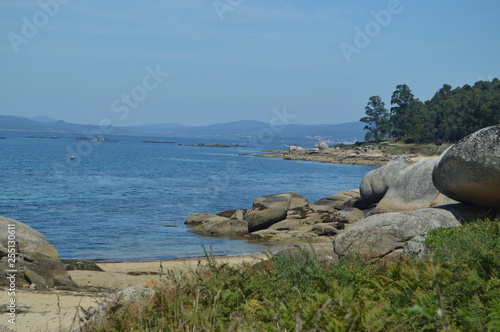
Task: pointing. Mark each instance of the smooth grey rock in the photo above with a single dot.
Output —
(332, 203)
(299, 234)
(380, 235)
(413, 189)
(296, 149)
(314, 218)
(220, 226)
(469, 171)
(443, 148)
(347, 216)
(298, 202)
(375, 183)
(272, 201)
(270, 209)
(416, 247)
(286, 225)
(261, 219)
(321, 145)
(198, 218)
(238, 215)
(324, 229)
(40, 282)
(38, 259)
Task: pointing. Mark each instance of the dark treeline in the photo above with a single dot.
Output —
(447, 117)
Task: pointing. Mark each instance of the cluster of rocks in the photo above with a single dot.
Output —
(286, 217)
(321, 152)
(395, 204)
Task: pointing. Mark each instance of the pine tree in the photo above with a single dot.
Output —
(376, 119)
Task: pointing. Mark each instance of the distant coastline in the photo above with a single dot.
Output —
(356, 156)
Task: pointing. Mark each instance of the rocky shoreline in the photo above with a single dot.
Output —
(395, 204)
(357, 156)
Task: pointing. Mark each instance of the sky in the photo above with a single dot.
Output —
(199, 62)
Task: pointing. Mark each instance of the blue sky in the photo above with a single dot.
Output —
(229, 60)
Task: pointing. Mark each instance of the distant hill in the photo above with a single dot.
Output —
(158, 128)
(17, 123)
(344, 132)
(43, 118)
(238, 130)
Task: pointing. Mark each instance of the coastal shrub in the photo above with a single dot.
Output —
(456, 288)
(472, 255)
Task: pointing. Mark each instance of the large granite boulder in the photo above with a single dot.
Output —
(270, 209)
(375, 183)
(37, 262)
(413, 189)
(384, 235)
(470, 170)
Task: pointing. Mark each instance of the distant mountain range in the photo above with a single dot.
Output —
(242, 130)
(247, 129)
(18, 123)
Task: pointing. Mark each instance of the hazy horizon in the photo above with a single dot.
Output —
(44, 119)
(197, 62)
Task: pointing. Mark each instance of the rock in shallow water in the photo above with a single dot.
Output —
(270, 209)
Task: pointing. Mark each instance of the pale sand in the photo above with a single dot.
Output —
(58, 310)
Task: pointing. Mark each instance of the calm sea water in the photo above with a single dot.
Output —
(127, 200)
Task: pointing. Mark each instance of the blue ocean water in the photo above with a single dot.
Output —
(127, 200)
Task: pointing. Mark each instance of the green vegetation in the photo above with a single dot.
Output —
(376, 119)
(456, 288)
(447, 117)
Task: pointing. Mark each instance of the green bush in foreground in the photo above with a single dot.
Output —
(457, 288)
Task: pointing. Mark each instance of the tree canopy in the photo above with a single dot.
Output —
(376, 119)
(448, 116)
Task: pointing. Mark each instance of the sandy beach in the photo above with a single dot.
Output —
(60, 310)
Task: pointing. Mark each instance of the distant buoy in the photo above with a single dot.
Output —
(72, 157)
